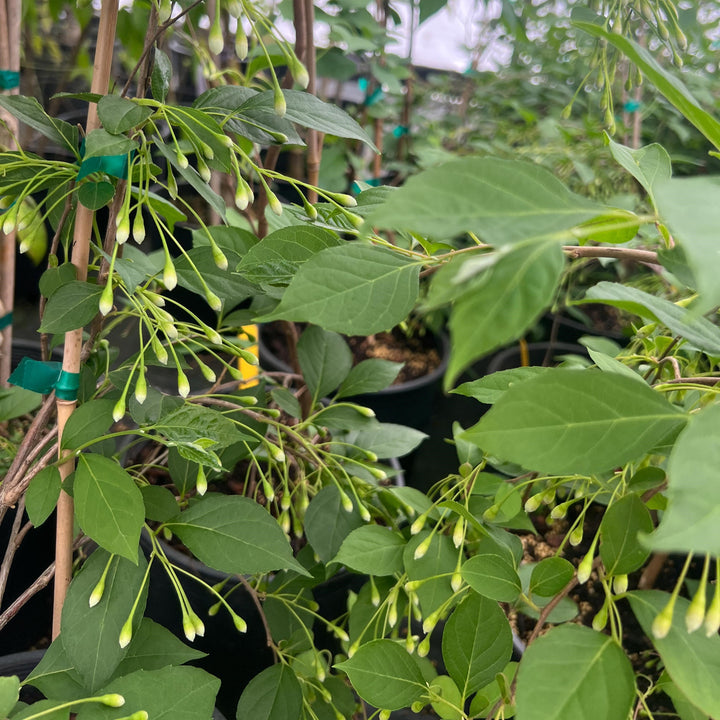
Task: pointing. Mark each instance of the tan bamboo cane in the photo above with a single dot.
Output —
(73, 340)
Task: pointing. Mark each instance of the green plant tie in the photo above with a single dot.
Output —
(44, 377)
(115, 165)
(6, 320)
(9, 79)
(400, 130)
(632, 106)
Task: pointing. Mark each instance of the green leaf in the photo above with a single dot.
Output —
(118, 115)
(622, 525)
(429, 7)
(550, 576)
(513, 294)
(234, 534)
(154, 647)
(387, 440)
(691, 521)
(161, 75)
(95, 195)
(384, 675)
(371, 375)
(670, 86)
(46, 707)
(691, 660)
(90, 634)
(16, 401)
(276, 258)
(192, 422)
(683, 707)
(685, 323)
(502, 201)
(447, 707)
(9, 694)
(492, 576)
(372, 549)
(170, 693)
(609, 364)
(688, 207)
(575, 421)
(574, 673)
(160, 503)
(379, 285)
(327, 523)
(70, 307)
(42, 495)
(476, 643)
(108, 504)
(325, 360)
(491, 388)
(649, 165)
(100, 143)
(435, 568)
(55, 675)
(274, 694)
(29, 111)
(89, 422)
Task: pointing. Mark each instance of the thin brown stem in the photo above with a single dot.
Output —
(254, 595)
(646, 256)
(11, 548)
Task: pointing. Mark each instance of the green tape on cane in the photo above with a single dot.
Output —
(44, 377)
(9, 79)
(115, 165)
(6, 320)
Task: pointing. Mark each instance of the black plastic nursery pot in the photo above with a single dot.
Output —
(541, 353)
(406, 403)
(22, 664)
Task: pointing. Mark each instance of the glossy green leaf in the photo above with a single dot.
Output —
(55, 675)
(492, 576)
(160, 503)
(90, 634)
(476, 643)
(649, 165)
(170, 693)
(609, 364)
(368, 376)
(192, 422)
(622, 526)
(691, 659)
(16, 401)
(108, 504)
(95, 195)
(490, 388)
(372, 549)
(46, 707)
(9, 694)
(327, 523)
(567, 673)
(88, 422)
(29, 111)
(234, 534)
(502, 201)
(683, 707)
(388, 440)
(325, 360)
(276, 258)
(100, 143)
(70, 307)
(384, 675)
(688, 207)
(118, 115)
(669, 85)
(517, 288)
(379, 285)
(42, 495)
(154, 647)
(697, 330)
(691, 522)
(550, 576)
(435, 568)
(274, 694)
(575, 421)
(447, 706)
(161, 75)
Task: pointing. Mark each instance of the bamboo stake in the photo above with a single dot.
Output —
(73, 340)
(314, 142)
(10, 13)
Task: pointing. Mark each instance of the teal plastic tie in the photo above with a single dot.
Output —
(632, 106)
(44, 377)
(400, 130)
(115, 165)
(6, 320)
(376, 95)
(9, 79)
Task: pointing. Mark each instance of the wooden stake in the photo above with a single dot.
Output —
(73, 340)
